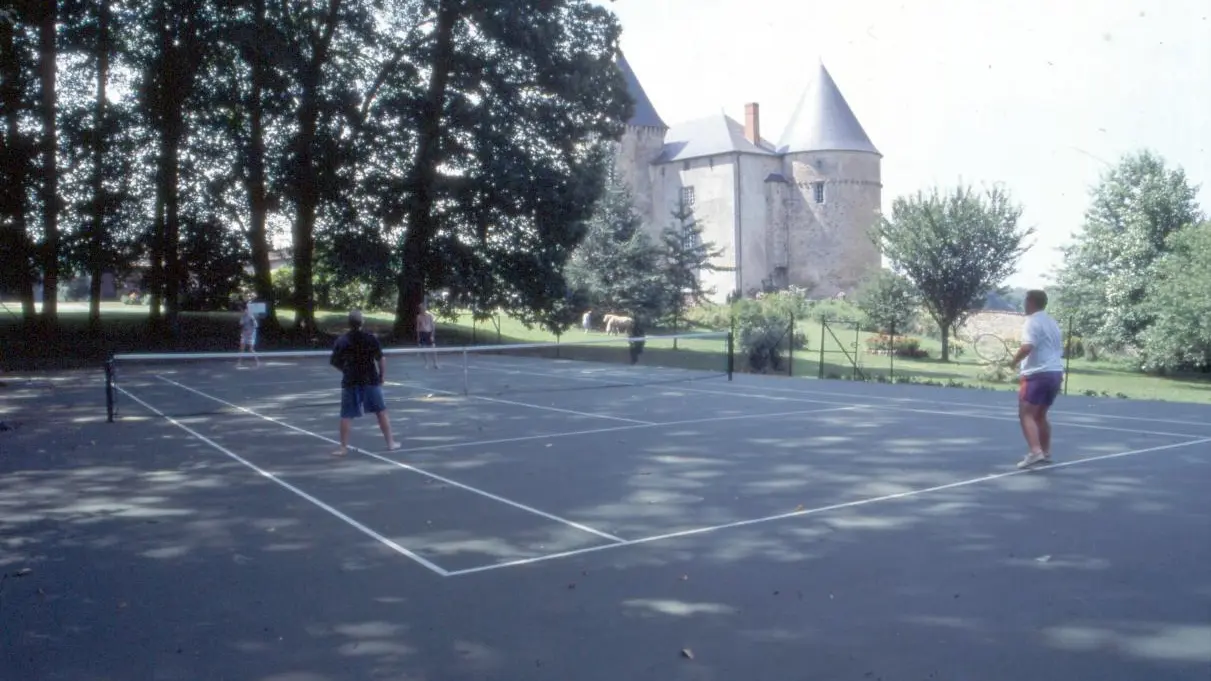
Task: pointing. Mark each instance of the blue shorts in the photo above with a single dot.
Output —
(362, 399)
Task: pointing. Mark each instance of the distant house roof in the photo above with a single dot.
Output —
(823, 121)
(709, 136)
(645, 115)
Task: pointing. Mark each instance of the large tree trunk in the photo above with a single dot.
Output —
(308, 198)
(96, 242)
(16, 173)
(420, 225)
(155, 270)
(173, 276)
(258, 201)
(50, 170)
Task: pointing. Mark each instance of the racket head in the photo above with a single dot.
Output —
(991, 348)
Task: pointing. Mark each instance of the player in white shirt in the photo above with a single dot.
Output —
(1041, 357)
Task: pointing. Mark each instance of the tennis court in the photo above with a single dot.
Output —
(562, 517)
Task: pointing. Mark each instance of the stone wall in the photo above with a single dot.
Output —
(1007, 325)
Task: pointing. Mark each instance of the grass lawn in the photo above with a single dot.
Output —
(125, 329)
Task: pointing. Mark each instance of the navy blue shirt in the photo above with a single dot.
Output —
(356, 354)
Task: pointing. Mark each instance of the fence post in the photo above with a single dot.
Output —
(730, 361)
(857, 342)
(891, 353)
(823, 330)
(109, 390)
(790, 361)
(1067, 355)
(466, 377)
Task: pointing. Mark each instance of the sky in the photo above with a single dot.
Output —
(1041, 96)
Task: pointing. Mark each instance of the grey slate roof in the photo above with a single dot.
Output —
(709, 136)
(823, 121)
(645, 115)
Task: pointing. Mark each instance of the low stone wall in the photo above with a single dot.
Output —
(1007, 325)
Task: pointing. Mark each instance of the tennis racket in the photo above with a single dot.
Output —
(991, 348)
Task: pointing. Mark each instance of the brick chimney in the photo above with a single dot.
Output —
(752, 123)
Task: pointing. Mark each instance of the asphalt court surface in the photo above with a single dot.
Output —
(776, 529)
(503, 480)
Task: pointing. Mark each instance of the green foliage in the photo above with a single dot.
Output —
(1104, 281)
(685, 257)
(1179, 299)
(616, 268)
(763, 329)
(283, 285)
(889, 301)
(214, 258)
(954, 248)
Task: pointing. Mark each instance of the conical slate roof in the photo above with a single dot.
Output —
(645, 115)
(823, 121)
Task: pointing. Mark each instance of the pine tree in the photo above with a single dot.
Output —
(686, 257)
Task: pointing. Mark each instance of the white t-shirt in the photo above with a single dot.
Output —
(1042, 331)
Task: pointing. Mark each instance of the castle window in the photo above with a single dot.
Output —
(818, 191)
(687, 196)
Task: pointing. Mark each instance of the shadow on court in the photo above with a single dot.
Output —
(138, 550)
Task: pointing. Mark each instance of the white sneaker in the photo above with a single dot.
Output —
(1032, 459)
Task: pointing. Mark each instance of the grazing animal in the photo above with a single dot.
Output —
(623, 325)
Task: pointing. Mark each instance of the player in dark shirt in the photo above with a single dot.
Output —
(359, 356)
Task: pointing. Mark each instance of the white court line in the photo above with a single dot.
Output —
(573, 412)
(780, 398)
(618, 429)
(339, 515)
(400, 464)
(908, 399)
(962, 414)
(1178, 422)
(824, 509)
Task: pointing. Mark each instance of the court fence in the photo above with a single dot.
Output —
(847, 349)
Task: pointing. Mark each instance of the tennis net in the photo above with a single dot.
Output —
(189, 384)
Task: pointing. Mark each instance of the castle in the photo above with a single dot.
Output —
(798, 212)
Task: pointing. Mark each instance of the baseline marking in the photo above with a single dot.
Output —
(285, 485)
(899, 399)
(823, 509)
(971, 414)
(522, 404)
(615, 429)
(967, 414)
(414, 469)
(1178, 422)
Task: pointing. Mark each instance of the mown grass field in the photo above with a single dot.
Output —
(125, 329)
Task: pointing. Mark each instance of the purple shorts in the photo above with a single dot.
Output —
(1042, 388)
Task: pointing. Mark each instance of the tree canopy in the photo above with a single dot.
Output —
(1135, 208)
(954, 247)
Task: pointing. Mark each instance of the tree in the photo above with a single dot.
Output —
(954, 248)
(617, 266)
(18, 254)
(685, 257)
(519, 98)
(1134, 209)
(1179, 300)
(889, 301)
(48, 55)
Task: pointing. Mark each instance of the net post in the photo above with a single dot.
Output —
(790, 347)
(466, 378)
(891, 353)
(823, 329)
(731, 354)
(109, 389)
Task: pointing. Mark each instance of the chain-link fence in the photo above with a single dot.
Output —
(845, 349)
